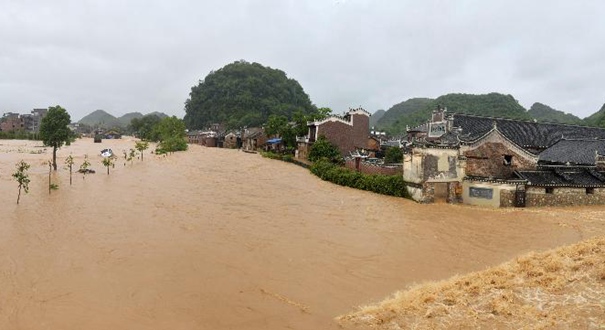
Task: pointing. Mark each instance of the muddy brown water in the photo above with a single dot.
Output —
(221, 239)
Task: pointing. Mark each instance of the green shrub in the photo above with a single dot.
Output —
(393, 155)
(392, 185)
(322, 148)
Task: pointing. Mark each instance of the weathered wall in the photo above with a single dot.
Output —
(537, 196)
(439, 165)
(487, 160)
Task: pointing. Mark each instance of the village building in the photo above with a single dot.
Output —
(349, 132)
(254, 138)
(504, 162)
(11, 122)
(232, 140)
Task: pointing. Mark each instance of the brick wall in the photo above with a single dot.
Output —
(367, 168)
(344, 136)
(488, 161)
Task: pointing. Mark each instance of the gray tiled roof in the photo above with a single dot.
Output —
(576, 152)
(526, 134)
(571, 177)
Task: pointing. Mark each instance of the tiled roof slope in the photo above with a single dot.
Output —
(563, 178)
(576, 152)
(526, 134)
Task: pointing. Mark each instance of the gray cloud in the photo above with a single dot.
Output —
(124, 56)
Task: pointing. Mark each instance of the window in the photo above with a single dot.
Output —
(550, 190)
(508, 160)
(589, 191)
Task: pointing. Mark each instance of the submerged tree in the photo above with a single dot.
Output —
(54, 131)
(51, 185)
(172, 135)
(22, 177)
(141, 146)
(107, 162)
(69, 161)
(131, 154)
(84, 167)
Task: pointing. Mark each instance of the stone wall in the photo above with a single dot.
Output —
(537, 196)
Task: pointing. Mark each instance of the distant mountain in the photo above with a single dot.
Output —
(597, 118)
(125, 119)
(159, 114)
(376, 117)
(544, 113)
(100, 118)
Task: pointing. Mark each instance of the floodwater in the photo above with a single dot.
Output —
(221, 239)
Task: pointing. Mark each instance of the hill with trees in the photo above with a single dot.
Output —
(244, 94)
(99, 118)
(405, 113)
(376, 117)
(417, 111)
(544, 113)
(596, 119)
(103, 119)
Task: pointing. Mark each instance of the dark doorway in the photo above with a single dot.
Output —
(441, 192)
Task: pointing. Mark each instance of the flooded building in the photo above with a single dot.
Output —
(504, 162)
(349, 132)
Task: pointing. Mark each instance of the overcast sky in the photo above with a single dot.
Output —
(124, 56)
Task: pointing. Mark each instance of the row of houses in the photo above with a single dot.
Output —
(462, 158)
(349, 132)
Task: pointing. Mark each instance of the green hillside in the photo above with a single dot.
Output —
(376, 117)
(416, 111)
(125, 119)
(544, 113)
(102, 119)
(597, 118)
(398, 116)
(244, 94)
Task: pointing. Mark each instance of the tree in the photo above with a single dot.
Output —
(141, 146)
(22, 177)
(145, 127)
(54, 131)
(69, 161)
(244, 94)
(324, 149)
(131, 155)
(393, 155)
(51, 185)
(289, 130)
(107, 162)
(84, 167)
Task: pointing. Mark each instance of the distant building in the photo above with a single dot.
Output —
(12, 121)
